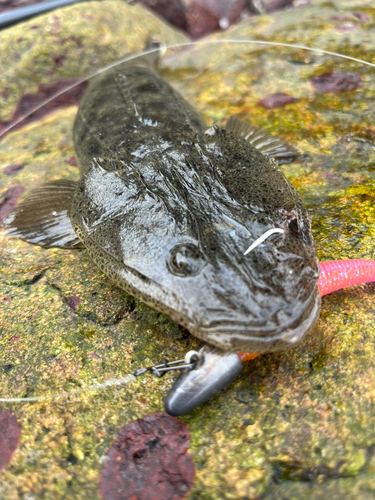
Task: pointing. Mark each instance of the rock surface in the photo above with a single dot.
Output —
(70, 43)
(295, 425)
(199, 17)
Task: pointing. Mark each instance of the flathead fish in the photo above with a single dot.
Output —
(168, 207)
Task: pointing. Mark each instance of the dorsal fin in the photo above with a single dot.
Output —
(266, 143)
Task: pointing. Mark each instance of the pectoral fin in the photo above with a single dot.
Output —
(42, 218)
(266, 143)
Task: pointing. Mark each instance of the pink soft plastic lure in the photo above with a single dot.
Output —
(337, 274)
(334, 275)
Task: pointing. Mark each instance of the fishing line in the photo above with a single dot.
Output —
(190, 360)
(125, 380)
(175, 46)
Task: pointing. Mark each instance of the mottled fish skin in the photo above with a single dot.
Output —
(166, 208)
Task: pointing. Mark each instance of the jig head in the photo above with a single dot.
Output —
(203, 374)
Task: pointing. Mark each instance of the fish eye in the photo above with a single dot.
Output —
(186, 260)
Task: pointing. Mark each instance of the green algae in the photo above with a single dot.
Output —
(294, 425)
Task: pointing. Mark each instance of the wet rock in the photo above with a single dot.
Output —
(173, 11)
(295, 425)
(198, 17)
(204, 16)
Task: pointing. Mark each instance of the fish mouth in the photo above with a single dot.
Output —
(234, 336)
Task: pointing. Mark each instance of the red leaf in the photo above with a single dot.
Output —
(277, 100)
(10, 433)
(149, 460)
(336, 82)
(73, 302)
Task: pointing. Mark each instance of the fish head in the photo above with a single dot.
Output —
(173, 227)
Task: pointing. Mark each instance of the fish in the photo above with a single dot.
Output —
(197, 221)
